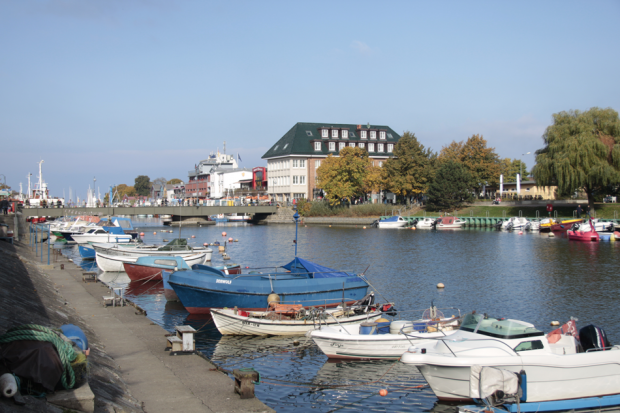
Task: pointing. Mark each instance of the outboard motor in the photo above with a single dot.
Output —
(575, 226)
(510, 226)
(375, 223)
(528, 226)
(499, 224)
(434, 224)
(414, 223)
(593, 337)
(611, 227)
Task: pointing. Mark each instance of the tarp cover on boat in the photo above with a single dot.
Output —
(299, 265)
(485, 381)
(391, 219)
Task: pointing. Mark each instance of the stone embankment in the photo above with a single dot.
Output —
(130, 371)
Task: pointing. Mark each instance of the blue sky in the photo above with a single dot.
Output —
(119, 88)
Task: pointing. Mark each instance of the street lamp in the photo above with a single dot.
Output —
(521, 165)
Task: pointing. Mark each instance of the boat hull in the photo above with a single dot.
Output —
(115, 263)
(137, 271)
(200, 292)
(230, 324)
(549, 378)
(87, 253)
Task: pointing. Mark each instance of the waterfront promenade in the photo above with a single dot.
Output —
(130, 369)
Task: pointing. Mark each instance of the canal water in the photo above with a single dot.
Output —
(530, 277)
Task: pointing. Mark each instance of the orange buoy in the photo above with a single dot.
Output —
(154, 233)
(230, 239)
(142, 234)
(223, 234)
(383, 392)
(193, 236)
(205, 244)
(520, 232)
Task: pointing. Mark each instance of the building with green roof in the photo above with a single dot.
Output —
(292, 161)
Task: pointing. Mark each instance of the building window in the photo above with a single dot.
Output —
(295, 179)
(275, 148)
(341, 145)
(361, 145)
(295, 163)
(334, 133)
(352, 134)
(390, 147)
(317, 146)
(363, 134)
(324, 133)
(302, 163)
(380, 147)
(345, 134)
(317, 164)
(285, 146)
(382, 134)
(302, 179)
(389, 135)
(308, 133)
(373, 134)
(371, 147)
(352, 144)
(332, 146)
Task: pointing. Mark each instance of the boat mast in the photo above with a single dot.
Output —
(29, 192)
(43, 194)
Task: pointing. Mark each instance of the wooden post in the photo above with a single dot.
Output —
(244, 383)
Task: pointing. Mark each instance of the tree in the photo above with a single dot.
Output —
(482, 163)
(451, 186)
(158, 184)
(174, 181)
(143, 185)
(411, 169)
(123, 190)
(343, 177)
(582, 151)
(374, 180)
(511, 167)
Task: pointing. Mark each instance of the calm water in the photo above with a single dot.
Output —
(530, 277)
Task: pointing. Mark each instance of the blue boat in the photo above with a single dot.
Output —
(182, 266)
(87, 252)
(303, 282)
(587, 403)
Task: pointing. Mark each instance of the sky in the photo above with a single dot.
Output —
(113, 89)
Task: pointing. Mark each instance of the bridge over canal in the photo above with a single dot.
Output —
(258, 213)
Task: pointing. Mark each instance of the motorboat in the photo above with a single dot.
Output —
(449, 223)
(514, 223)
(599, 226)
(103, 234)
(150, 268)
(234, 217)
(545, 224)
(426, 223)
(289, 320)
(115, 263)
(393, 222)
(589, 236)
(353, 343)
(532, 226)
(219, 218)
(565, 224)
(564, 364)
(176, 247)
(298, 282)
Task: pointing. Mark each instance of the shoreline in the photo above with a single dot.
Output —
(130, 369)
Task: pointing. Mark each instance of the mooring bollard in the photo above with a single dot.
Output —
(244, 382)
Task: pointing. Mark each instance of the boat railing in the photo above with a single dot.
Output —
(603, 349)
(445, 340)
(400, 312)
(288, 273)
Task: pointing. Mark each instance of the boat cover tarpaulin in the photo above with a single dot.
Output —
(391, 219)
(299, 265)
(484, 381)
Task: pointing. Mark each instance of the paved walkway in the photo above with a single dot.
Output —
(163, 383)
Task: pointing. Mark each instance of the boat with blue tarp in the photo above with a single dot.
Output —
(573, 405)
(301, 282)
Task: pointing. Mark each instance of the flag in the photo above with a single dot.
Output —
(238, 157)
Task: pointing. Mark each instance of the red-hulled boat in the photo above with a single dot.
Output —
(149, 268)
(588, 236)
(565, 225)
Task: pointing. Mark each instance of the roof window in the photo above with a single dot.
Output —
(285, 145)
(309, 133)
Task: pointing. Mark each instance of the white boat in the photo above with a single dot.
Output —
(114, 263)
(532, 226)
(450, 223)
(393, 222)
(288, 320)
(598, 226)
(234, 217)
(426, 223)
(349, 343)
(557, 366)
(101, 235)
(177, 247)
(514, 223)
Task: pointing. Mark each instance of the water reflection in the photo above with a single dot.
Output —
(531, 277)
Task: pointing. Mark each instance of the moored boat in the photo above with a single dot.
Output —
(588, 236)
(115, 263)
(449, 223)
(557, 366)
(426, 223)
(150, 268)
(393, 222)
(565, 224)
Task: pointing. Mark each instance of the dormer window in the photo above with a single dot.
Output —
(380, 147)
(363, 134)
(332, 146)
(373, 134)
(345, 134)
(324, 133)
(334, 133)
(317, 146)
(390, 147)
(361, 145)
(382, 134)
(352, 144)
(341, 145)
(371, 147)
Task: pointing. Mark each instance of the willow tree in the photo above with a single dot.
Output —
(343, 177)
(582, 151)
(411, 170)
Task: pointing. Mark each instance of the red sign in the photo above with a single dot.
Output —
(549, 207)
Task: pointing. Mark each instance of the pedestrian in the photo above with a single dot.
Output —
(4, 205)
(588, 210)
(579, 210)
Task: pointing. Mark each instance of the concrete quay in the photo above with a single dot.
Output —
(130, 369)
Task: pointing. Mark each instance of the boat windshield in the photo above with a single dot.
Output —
(500, 328)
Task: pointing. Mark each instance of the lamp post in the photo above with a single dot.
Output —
(521, 165)
(296, 217)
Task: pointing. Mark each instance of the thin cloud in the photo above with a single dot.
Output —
(362, 48)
